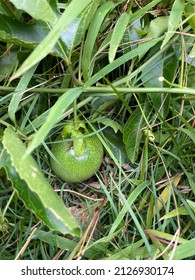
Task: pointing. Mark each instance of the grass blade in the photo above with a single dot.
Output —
(53, 117)
(117, 35)
(130, 201)
(128, 251)
(164, 196)
(185, 250)
(127, 205)
(143, 48)
(92, 34)
(174, 213)
(18, 93)
(192, 204)
(174, 20)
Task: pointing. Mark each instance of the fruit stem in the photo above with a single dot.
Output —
(75, 113)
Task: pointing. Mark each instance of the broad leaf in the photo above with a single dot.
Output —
(33, 188)
(80, 25)
(111, 123)
(163, 65)
(157, 27)
(39, 10)
(30, 35)
(27, 35)
(44, 48)
(133, 131)
(115, 143)
(8, 62)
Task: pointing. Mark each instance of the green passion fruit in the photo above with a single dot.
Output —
(76, 156)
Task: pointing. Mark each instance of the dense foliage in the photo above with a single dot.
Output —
(127, 70)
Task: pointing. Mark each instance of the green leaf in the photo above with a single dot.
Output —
(164, 235)
(143, 10)
(127, 205)
(190, 133)
(33, 188)
(18, 93)
(8, 62)
(190, 14)
(69, 36)
(115, 143)
(92, 34)
(191, 204)
(4, 10)
(191, 179)
(174, 20)
(192, 52)
(127, 251)
(76, 33)
(100, 104)
(130, 200)
(185, 250)
(44, 48)
(27, 35)
(39, 121)
(179, 211)
(143, 48)
(111, 123)
(54, 116)
(164, 65)
(91, 11)
(189, 130)
(157, 27)
(30, 35)
(38, 9)
(117, 35)
(61, 242)
(133, 131)
(101, 244)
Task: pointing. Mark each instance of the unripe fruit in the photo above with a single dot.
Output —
(77, 159)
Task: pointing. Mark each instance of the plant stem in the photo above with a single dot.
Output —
(107, 89)
(75, 112)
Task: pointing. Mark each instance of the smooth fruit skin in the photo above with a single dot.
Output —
(76, 169)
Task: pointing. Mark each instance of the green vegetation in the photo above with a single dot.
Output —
(120, 76)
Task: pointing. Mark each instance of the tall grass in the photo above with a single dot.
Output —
(103, 61)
